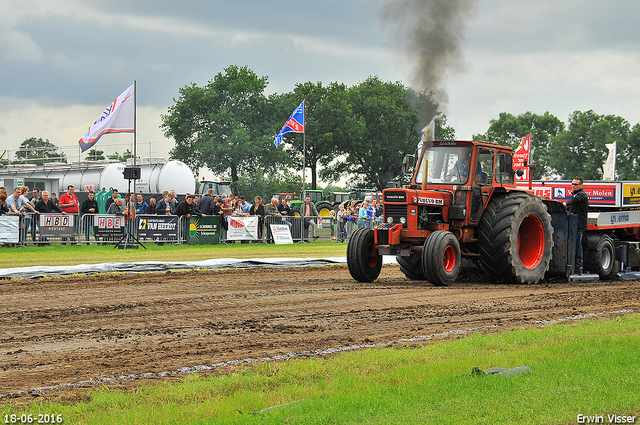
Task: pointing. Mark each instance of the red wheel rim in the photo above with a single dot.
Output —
(449, 258)
(372, 257)
(531, 241)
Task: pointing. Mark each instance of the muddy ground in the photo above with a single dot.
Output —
(62, 335)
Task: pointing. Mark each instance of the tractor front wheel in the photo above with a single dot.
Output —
(441, 258)
(362, 256)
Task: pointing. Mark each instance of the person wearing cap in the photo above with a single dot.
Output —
(88, 208)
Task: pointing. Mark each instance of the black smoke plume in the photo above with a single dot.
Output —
(430, 33)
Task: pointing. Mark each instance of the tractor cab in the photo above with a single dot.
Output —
(458, 178)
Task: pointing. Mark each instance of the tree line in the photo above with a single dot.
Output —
(361, 133)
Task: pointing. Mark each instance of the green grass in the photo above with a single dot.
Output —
(86, 254)
(589, 368)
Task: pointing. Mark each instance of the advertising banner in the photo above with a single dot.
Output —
(281, 234)
(108, 225)
(57, 225)
(603, 194)
(164, 227)
(242, 228)
(203, 230)
(631, 194)
(9, 228)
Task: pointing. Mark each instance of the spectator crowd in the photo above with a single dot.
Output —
(344, 218)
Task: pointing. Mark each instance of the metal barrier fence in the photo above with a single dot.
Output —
(108, 229)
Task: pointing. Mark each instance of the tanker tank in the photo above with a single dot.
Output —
(157, 175)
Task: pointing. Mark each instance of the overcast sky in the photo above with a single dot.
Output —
(62, 63)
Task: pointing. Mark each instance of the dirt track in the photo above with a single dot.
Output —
(63, 331)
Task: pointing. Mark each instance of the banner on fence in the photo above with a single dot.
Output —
(203, 230)
(108, 225)
(281, 234)
(242, 228)
(157, 226)
(57, 225)
(9, 229)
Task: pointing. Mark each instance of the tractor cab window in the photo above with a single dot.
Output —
(504, 168)
(485, 166)
(445, 165)
(315, 196)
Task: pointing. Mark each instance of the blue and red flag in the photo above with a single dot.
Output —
(294, 124)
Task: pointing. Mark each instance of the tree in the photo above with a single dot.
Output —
(223, 125)
(581, 151)
(509, 130)
(386, 130)
(627, 162)
(329, 123)
(121, 158)
(265, 185)
(443, 130)
(38, 151)
(95, 155)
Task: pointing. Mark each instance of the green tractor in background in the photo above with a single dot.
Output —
(322, 204)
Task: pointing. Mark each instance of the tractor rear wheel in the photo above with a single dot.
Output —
(411, 266)
(441, 258)
(515, 239)
(362, 256)
(600, 260)
(324, 209)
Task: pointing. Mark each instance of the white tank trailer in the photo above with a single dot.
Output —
(156, 176)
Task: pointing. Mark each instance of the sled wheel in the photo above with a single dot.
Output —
(599, 260)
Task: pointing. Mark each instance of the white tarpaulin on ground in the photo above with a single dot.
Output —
(162, 266)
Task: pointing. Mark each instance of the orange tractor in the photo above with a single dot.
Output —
(463, 203)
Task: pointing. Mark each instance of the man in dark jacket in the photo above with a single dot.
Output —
(89, 206)
(186, 207)
(46, 206)
(207, 203)
(579, 204)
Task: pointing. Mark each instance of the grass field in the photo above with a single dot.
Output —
(71, 254)
(589, 368)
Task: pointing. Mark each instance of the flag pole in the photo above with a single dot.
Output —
(135, 103)
(304, 132)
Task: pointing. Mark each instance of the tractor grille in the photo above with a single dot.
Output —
(395, 212)
(395, 197)
(382, 233)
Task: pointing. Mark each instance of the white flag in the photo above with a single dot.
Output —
(117, 118)
(609, 168)
(428, 133)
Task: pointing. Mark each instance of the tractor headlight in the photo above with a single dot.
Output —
(389, 220)
(403, 220)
